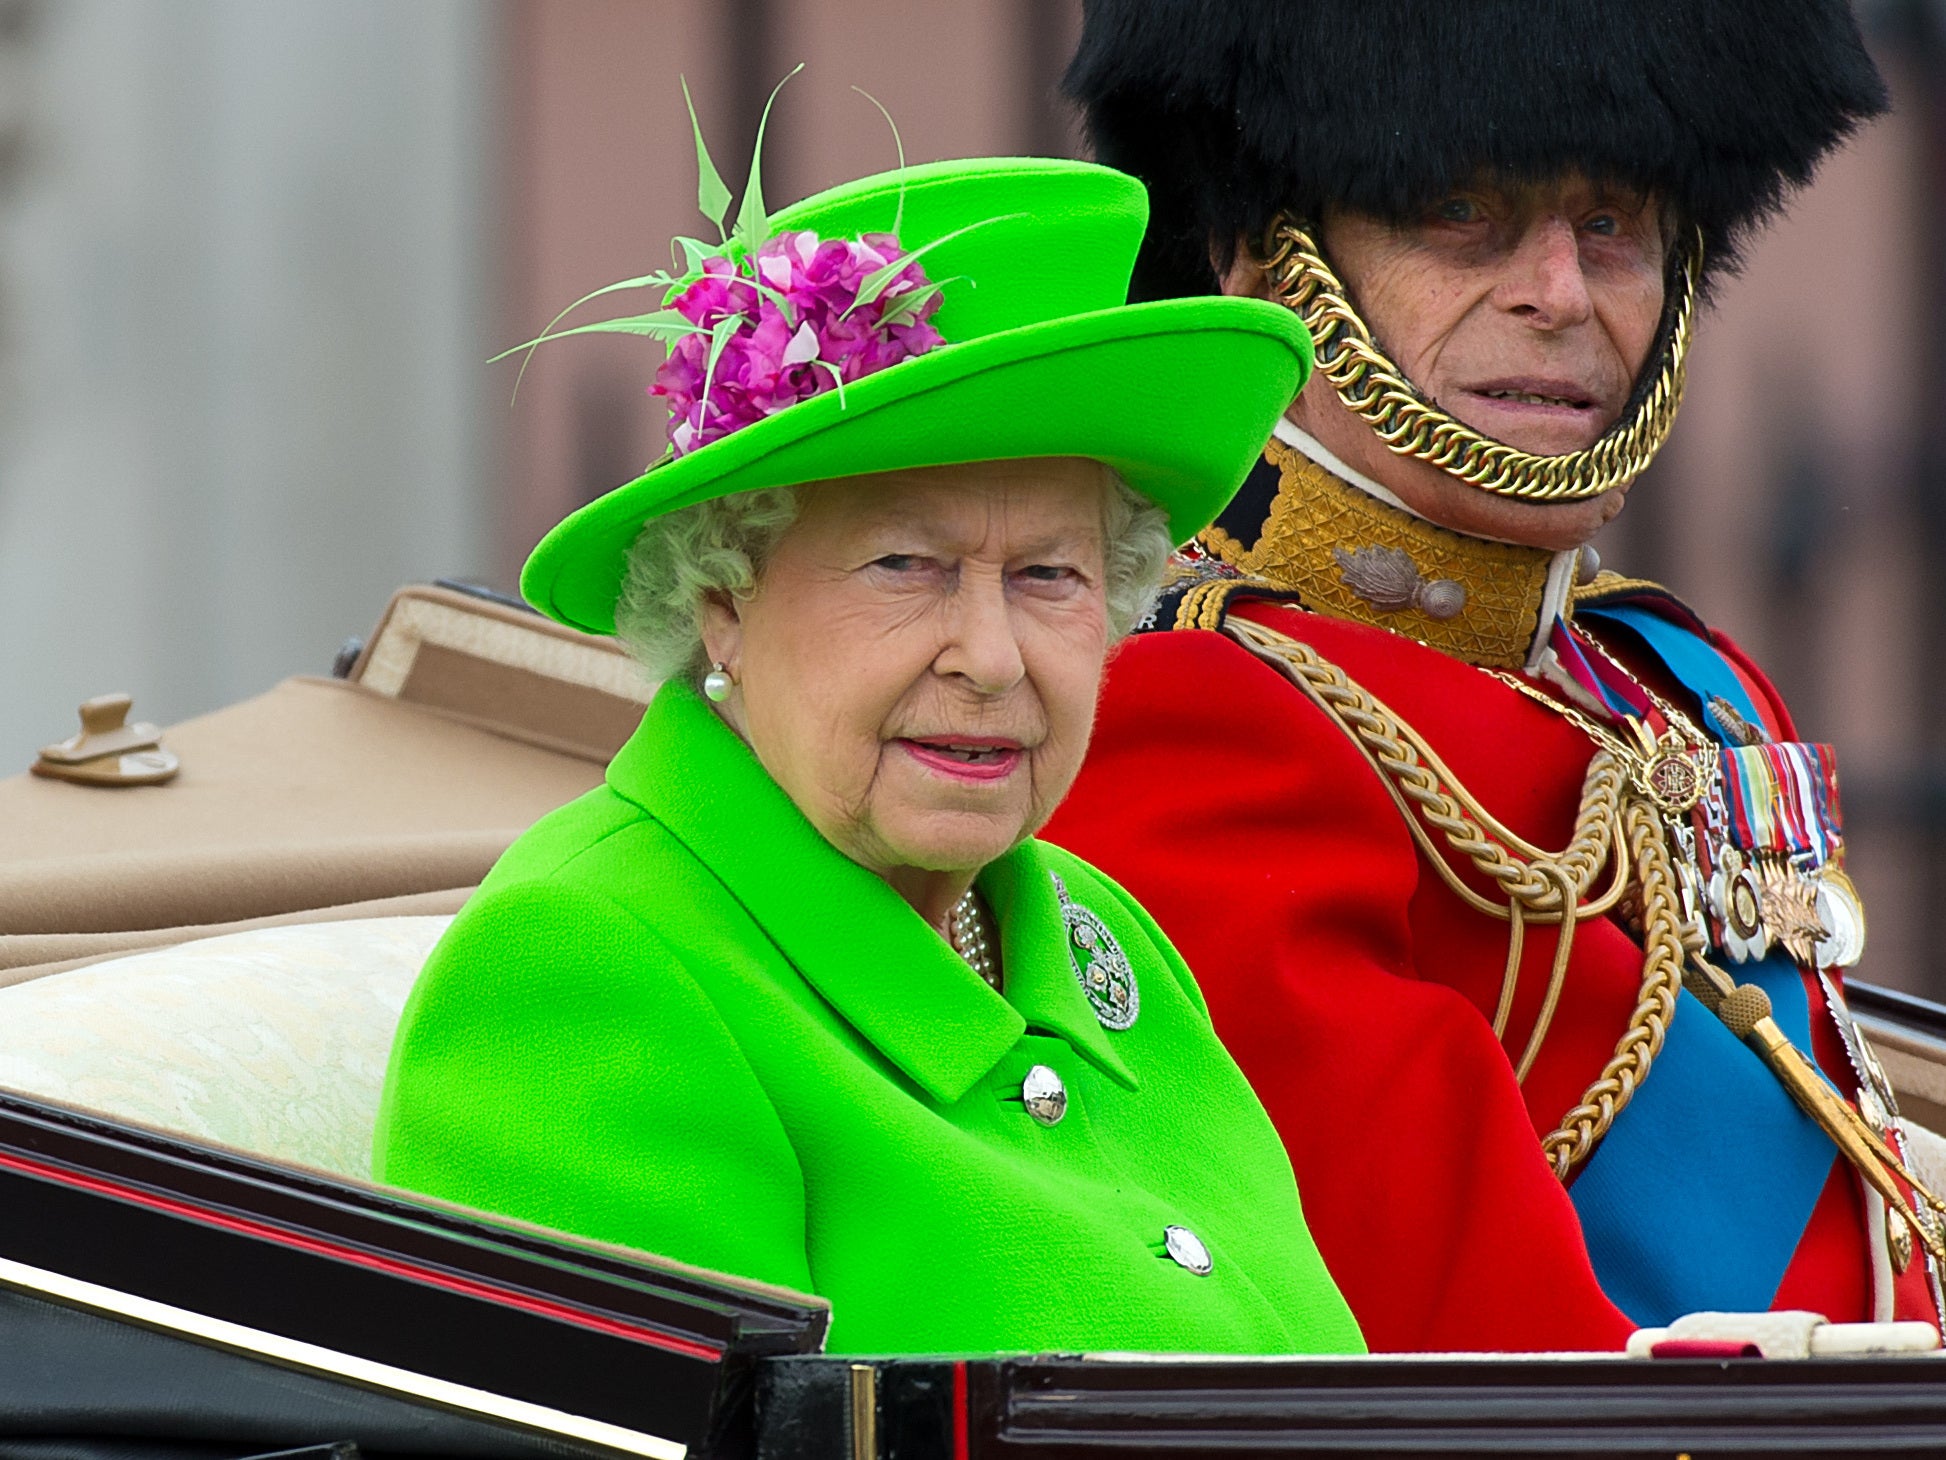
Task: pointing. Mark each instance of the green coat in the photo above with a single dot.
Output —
(675, 1017)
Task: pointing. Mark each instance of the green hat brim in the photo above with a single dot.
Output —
(1177, 396)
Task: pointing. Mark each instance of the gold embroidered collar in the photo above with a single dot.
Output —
(1346, 554)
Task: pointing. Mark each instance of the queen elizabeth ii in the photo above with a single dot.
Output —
(796, 994)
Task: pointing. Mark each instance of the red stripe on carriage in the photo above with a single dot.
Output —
(962, 1445)
(466, 1287)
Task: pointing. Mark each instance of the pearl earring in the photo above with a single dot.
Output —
(717, 684)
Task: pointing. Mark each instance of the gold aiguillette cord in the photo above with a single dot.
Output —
(1745, 1011)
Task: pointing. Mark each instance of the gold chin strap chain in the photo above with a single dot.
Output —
(1538, 886)
(1379, 394)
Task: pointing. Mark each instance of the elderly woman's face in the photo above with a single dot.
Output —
(919, 665)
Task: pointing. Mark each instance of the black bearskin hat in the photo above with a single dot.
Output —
(1232, 111)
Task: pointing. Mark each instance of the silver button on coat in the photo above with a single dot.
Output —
(1044, 1094)
(1187, 1249)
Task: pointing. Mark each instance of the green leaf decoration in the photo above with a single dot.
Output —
(905, 308)
(664, 324)
(693, 251)
(898, 212)
(752, 222)
(875, 282)
(836, 379)
(712, 196)
(645, 281)
(718, 338)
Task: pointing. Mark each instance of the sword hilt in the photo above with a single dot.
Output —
(1745, 1010)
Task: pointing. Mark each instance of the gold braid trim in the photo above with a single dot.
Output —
(1379, 394)
(1539, 887)
(1610, 804)
(1414, 773)
(1663, 953)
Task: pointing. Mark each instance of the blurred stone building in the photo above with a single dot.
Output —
(253, 259)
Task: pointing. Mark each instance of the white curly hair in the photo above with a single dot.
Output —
(681, 557)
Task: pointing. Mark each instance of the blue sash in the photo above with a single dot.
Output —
(1692, 661)
(1700, 1192)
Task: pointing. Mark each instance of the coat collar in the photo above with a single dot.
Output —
(1306, 524)
(854, 939)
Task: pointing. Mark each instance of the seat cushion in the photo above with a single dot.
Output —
(272, 1041)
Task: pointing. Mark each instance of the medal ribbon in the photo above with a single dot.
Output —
(1597, 676)
(1712, 1144)
(1781, 798)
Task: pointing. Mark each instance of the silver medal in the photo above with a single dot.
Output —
(1843, 918)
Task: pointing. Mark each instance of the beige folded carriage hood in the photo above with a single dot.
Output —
(388, 791)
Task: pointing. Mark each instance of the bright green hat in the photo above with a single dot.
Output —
(1040, 358)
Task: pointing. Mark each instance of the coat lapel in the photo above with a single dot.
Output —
(1041, 982)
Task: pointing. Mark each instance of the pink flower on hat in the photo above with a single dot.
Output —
(811, 316)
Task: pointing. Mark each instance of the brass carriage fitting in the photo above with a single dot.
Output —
(109, 751)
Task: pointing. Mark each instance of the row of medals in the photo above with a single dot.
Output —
(1749, 902)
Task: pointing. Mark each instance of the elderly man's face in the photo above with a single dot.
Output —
(919, 666)
(1526, 312)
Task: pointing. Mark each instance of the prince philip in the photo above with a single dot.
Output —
(1512, 885)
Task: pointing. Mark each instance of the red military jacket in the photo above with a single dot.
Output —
(1356, 989)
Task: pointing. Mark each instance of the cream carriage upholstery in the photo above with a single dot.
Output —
(272, 1041)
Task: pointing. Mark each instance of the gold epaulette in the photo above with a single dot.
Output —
(1197, 593)
(1606, 585)
(1207, 604)
(1610, 588)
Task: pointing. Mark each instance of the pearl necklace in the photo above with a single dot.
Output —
(966, 928)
